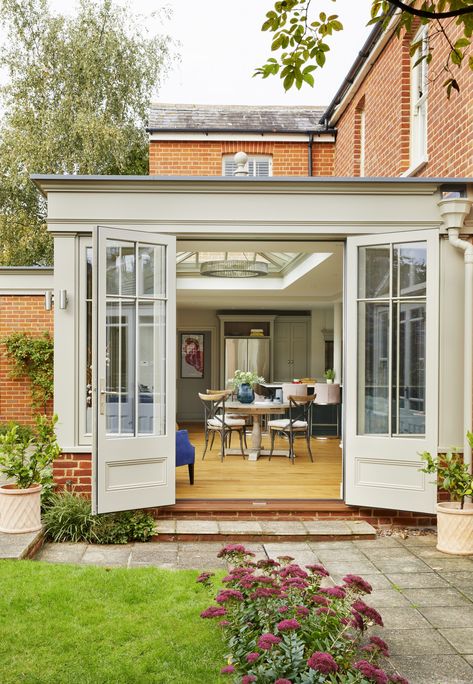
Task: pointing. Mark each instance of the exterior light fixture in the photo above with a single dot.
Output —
(234, 268)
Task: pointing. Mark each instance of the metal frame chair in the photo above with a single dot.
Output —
(215, 421)
(298, 422)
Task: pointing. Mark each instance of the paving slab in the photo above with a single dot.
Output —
(18, 546)
(335, 527)
(461, 638)
(116, 555)
(436, 669)
(360, 527)
(382, 598)
(425, 552)
(405, 617)
(62, 553)
(316, 545)
(396, 553)
(458, 579)
(238, 527)
(196, 527)
(443, 616)
(447, 597)
(421, 580)
(351, 554)
(409, 565)
(199, 556)
(449, 564)
(282, 527)
(302, 553)
(165, 526)
(419, 540)
(380, 542)
(356, 567)
(161, 555)
(415, 642)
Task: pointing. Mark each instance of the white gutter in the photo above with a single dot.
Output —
(454, 211)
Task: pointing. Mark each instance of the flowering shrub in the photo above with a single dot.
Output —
(282, 627)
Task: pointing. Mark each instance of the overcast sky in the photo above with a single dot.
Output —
(221, 43)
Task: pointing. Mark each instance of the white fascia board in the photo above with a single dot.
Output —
(25, 283)
(247, 284)
(361, 75)
(192, 136)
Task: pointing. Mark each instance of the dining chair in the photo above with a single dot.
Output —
(299, 422)
(238, 416)
(217, 422)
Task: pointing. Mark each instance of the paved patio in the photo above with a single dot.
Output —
(424, 596)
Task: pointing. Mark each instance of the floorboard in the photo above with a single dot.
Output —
(236, 478)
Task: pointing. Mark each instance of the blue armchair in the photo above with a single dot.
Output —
(185, 453)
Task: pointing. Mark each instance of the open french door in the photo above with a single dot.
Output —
(391, 379)
(134, 369)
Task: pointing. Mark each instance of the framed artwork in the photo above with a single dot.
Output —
(192, 355)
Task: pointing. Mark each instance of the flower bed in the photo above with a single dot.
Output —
(282, 627)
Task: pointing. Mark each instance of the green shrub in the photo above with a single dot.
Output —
(25, 432)
(68, 517)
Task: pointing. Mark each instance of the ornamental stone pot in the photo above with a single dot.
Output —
(455, 528)
(20, 509)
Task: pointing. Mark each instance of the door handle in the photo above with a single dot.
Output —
(103, 393)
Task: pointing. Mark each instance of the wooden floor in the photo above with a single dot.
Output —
(236, 478)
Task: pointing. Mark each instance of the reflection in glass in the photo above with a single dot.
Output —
(373, 368)
(151, 368)
(152, 270)
(373, 271)
(409, 344)
(120, 368)
(410, 269)
(121, 271)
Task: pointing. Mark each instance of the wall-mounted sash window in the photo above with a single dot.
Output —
(258, 165)
(419, 98)
(392, 339)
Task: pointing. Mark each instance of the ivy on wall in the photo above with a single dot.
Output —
(32, 357)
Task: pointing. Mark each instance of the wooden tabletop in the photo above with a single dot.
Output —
(256, 407)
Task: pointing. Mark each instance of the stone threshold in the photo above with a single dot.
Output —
(20, 546)
(262, 530)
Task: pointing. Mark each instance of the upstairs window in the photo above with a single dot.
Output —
(258, 165)
(419, 95)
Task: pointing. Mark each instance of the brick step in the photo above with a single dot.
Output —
(262, 531)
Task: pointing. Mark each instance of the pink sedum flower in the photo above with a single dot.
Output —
(248, 679)
(357, 584)
(252, 657)
(288, 625)
(228, 669)
(267, 641)
(213, 612)
(374, 674)
(323, 662)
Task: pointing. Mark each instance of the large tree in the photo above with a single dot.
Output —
(301, 37)
(75, 101)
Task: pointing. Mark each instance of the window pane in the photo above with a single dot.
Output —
(152, 269)
(373, 271)
(373, 368)
(409, 369)
(121, 270)
(88, 370)
(120, 368)
(151, 368)
(88, 256)
(410, 269)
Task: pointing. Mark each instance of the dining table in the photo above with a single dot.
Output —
(257, 409)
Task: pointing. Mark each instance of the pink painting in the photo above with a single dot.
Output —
(192, 355)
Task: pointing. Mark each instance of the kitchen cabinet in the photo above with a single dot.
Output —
(291, 347)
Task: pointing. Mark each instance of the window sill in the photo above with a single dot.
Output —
(414, 168)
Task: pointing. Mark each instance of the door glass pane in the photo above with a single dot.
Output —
(151, 367)
(121, 270)
(152, 270)
(410, 269)
(120, 368)
(373, 368)
(373, 271)
(409, 369)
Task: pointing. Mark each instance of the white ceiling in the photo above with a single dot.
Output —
(316, 278)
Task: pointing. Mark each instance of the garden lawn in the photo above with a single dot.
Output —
(67, 624)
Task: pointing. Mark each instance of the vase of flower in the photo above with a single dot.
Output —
(245, 393)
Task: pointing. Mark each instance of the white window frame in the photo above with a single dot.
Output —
(252, 159)
(419, 102)
(85, 438)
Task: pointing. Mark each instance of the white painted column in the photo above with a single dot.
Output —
(337, 340)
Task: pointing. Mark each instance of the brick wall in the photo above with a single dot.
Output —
(385, 96)
(191, 158)
(25, 313)
(73, 472)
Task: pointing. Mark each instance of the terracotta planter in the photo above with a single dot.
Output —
(20, 509)
(455, 528)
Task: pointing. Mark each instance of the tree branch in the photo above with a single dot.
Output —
(425, 14)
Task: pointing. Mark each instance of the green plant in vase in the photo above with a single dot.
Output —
(329, 375)
(244, 382)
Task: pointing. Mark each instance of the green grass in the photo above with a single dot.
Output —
(87, 625)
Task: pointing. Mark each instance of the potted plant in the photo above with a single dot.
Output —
(329, 376)
(243, 382)
(454, 517)
(25, 461)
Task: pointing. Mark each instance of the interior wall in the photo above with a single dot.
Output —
(322, 320)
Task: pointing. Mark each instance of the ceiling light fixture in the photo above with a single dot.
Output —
(234, 268)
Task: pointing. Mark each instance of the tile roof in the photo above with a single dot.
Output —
(241, 118)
